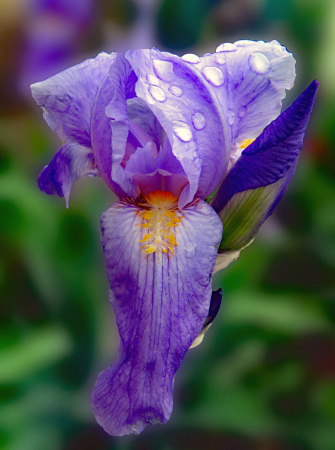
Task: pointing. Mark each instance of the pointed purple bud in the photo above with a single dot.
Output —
(259, 179)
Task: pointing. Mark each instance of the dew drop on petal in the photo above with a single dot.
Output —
(278, 50)
(199, 121)
(153, 80)
(220, 58)
(181, 130)
(244, 43)
(175, 90)
(157, 93)
(163, 69)
(191, 58)
(63, 103)
(259, 63)
(226, 47)
(230, 117)
(242, 111)
(213, 75)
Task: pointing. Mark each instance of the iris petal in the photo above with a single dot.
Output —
(255, 76)
(69, 164)
(161, 302)
(190, 115)
(67, 98)
(110, 126)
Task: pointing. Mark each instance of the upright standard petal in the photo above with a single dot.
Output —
(258, 180)
(67, 98)
(110, 126)
(161, 301)
(141, 114)
(249, 79)
(69, 164)
(191, 116)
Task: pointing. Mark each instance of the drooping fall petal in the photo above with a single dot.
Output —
(161, 302)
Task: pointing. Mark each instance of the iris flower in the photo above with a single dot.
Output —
(167, 133)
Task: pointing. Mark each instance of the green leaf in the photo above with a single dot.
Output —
(36, 351)
(244, 214)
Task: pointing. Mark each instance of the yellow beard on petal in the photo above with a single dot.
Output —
(246, 143)
(161, 215)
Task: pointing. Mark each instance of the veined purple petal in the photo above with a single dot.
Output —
(142, 169)
(142, 161)
(271, 155)
(67, 98)
(141, 114)
(190, 115)
(110, 126)
(69, 164)
(167, 162)
(249, 79)
(161, 302)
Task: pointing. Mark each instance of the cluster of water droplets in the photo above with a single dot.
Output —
(163, 71)
(257, 61)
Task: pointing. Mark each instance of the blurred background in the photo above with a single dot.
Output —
(264, 377)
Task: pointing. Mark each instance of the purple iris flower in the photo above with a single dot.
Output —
(166, 133)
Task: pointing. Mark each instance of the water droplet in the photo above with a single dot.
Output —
(164, 69)
(259, 63)
(230, 117)
(227, 47)
(63, 103)
(242, 111)
(199, 121)
(191, 58)
(213, 75)
(153, 80)
(157, 93)
(175, 90)
(220, 58)
(278, 50)
(181, 130)
(244, 43)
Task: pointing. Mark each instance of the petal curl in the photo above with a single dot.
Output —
(254, 77)
(140, 113)
(191, 116)
(161, 304)
(67, 98)
(69, 164)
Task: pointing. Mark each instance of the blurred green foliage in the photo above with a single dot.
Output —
(264, 377)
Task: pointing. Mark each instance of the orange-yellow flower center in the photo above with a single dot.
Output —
(161, 215)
